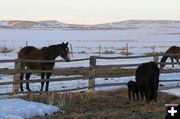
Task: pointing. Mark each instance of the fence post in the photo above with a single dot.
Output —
(99, 50)
(91, 83)
(5, 49)
(127, 50)
(26, 43)
(71, 50)
(155, 57)
(17, 75)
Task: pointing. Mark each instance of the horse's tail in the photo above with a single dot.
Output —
(156, 83)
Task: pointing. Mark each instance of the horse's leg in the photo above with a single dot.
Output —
(21, 84)
(22, 66)
(147, 94)
(27, 78)
(133, 95)
(47, 82)
(155, 95)
(155, 92)
(141, 90)
(129, 94)
(42, 83)
(177, 61)
(172, 62)
(137, 95)
(150, 95)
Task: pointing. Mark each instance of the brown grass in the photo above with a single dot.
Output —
(5, 50)
(125, 53)
(108, 52)
(103, 105)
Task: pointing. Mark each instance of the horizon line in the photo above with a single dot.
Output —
(89, 23)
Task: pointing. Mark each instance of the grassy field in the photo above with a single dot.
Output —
(103, 105)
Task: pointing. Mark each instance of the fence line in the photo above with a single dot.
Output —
(77, 89)
(91, 69)
(55, 71)
(84, 59)
(40, 61)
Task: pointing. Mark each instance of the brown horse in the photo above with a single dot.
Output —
(45, 53)
(171, 50)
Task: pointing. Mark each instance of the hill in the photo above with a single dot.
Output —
(128, 24)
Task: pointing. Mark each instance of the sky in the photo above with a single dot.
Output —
(89, 11)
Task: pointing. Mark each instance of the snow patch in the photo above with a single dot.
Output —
(22, 109)
(174, 91)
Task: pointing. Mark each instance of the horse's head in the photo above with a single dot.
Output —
(64, 51)
(161, 66)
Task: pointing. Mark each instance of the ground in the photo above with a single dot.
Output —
(103, 105)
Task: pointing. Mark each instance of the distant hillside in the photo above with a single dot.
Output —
(30, 24)
(17, 24)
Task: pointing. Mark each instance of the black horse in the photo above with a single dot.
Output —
(133, 90)
(147, 78)
(45, 53)
(171, 50)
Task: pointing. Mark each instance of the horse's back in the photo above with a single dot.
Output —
(30, 52)
(146, 72)
(173, 49)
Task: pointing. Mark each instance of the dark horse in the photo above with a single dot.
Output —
(171, 50)
(45, 53)
(133, 90)
(147, 79)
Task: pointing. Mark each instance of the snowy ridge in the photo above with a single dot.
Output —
(56, 24)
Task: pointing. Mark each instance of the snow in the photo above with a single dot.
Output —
(173, 91)
(21, 109)
(140, 40)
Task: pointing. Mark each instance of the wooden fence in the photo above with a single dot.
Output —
(91, 72)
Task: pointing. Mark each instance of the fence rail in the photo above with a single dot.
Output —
(90, 76)
(96, 57)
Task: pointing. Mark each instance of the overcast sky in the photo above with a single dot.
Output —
(89, 11)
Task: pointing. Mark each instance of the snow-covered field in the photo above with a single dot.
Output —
(86, 43)
(139, 39)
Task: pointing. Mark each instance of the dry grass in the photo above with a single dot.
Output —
(125, 53)
(103, 105)
(5, 50)
(108, 52)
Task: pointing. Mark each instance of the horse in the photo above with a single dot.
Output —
(133, 90)
(147, 79)
(45, 53)
(171, 50)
